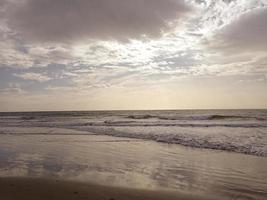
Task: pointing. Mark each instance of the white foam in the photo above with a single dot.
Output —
(237, 140)
(237, 131)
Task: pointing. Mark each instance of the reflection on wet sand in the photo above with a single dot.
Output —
(134, 163)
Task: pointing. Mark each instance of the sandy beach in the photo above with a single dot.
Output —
(102, 167)
(52, 189)
(120, 156)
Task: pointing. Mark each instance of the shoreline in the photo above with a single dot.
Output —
(20, 188)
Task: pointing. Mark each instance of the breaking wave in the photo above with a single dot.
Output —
(253, 144)
(243, 131)
(195, 117)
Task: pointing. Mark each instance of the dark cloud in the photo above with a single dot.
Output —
(228, 1)
(68, 20)
(3, 3)
(248, 33)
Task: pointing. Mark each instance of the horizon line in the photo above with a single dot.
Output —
(114, 110)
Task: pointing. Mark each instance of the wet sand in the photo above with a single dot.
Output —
(82, 163)
(52, 189)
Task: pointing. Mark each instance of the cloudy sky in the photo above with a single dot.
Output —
(132, 54)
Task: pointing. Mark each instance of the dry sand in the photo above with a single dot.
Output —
(51, 189)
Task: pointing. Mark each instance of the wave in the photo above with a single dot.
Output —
(196, 117)
(158, 124)
(28, 118)
(241, 141)
(111, 123)
(253, 144)
(140, 116)
(232, 131)
(218, 117)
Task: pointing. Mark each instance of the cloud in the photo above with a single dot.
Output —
(34, 77)
(61, 20)
(246, 34)
(13, 88)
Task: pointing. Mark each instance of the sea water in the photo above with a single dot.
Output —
(219, 153)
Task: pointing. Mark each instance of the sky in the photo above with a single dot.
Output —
(132, 54)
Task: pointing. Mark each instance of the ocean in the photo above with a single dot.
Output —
(210, 152)
(242, 131)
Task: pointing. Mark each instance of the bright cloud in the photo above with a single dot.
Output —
(109, 53)
(34, 77)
